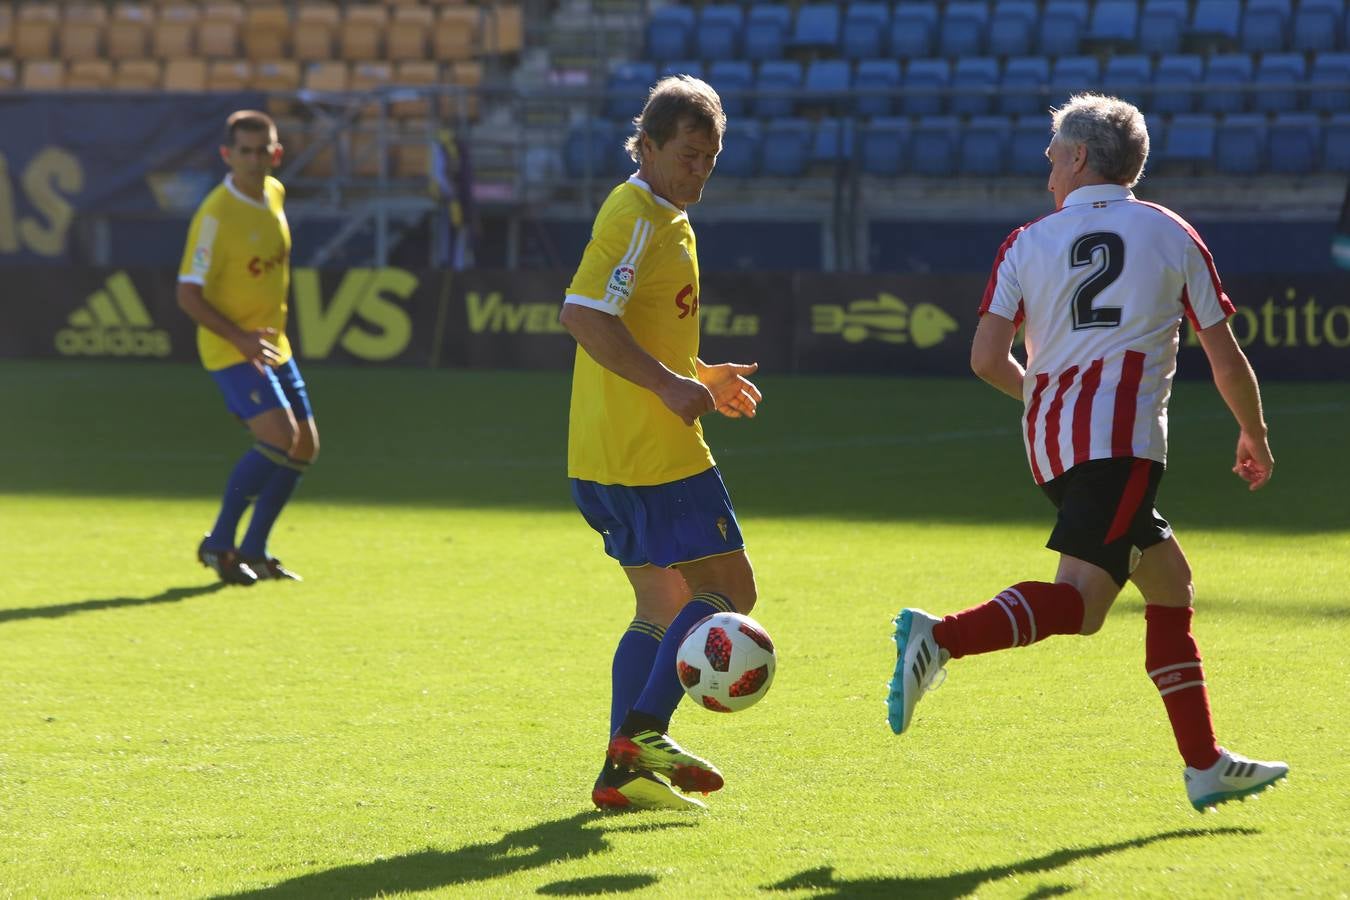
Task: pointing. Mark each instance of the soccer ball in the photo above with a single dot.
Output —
(726, 662)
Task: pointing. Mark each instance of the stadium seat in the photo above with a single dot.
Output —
(503, 28)
(35, 38)
(718, 32)
(1316, 24)
(827, 84)
(1114, 20)
(467, 74)
(784, 77)
(1026, 151)
(876, 74)
(668, 32)
(1294, 141)
(1182, 71)
(741, 148)
(175, 31)
(415, 73)
(627, 88)
(1161, 26)
(9, 75)
(971, 73)
(922, 74)
(1241, 145)
(766, 31)
(1336, 145)
(682, 67)
(137, 75)
(883, 146)
(589, 148)
(406, 39)
(1332, 70)
(816, 28)
(7, 42)
(266, 32)
(320, 77)
(228, 75)
(43, 75)
(935, 148)
(218, 33)
(275, 75)
(1011, 28)
(1264, 24)
(80, 36)
(1129, 77)
(787, 148)
(732, 78)
(457, 34)
(984, 145)
(1190, 139)
(914, 30)
(1216, 20)
(1226, 78)
(832, 142)
(1073, 74)
(89, 75)
(361, 35)
(1062, 25)
(1020, 75)
(863, 34)
(964, 23)
(129, 31)
(1279, 68)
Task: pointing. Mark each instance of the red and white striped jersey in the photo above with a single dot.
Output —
(1102, 285)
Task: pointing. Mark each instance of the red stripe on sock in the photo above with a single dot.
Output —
(1168, 642)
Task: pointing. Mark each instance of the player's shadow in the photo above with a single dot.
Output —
(584, 834)
(170, 595)
(962, 884)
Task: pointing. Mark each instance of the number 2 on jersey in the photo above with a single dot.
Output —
(1112, 262)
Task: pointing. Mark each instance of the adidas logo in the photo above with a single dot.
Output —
(113, 322)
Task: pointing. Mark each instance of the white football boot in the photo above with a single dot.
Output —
(1233, 777)
(919, 665)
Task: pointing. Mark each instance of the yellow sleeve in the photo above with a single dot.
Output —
(611, 264)
(200, 251)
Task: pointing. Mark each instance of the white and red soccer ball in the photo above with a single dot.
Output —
(726, 662)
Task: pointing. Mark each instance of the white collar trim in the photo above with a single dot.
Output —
(633, 179)
(229, 186)
(1092, 193)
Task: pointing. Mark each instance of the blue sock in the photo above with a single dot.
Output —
(245, 483)
(271, 500)
(632, 667)
(663, 690)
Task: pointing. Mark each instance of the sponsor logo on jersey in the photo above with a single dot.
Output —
(112, 322)
(887, 319)
(258, 267)
(621, 281)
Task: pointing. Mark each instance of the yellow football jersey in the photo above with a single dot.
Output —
(239, 251)
(641, 264)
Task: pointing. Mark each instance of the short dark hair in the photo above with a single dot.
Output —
(250, 120)
(674, 101)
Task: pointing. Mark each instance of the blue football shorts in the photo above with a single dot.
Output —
(664, 524)
(250, 393)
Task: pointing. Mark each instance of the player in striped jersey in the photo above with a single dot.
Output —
(1102, 285)
(642, 475)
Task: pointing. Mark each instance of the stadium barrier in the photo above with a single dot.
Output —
(1293, 327)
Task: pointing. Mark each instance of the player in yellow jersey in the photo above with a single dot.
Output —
(640, 470)
(233, 283)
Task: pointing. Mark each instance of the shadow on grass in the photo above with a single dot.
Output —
(576, 837)
(171, 595)
(962, 884)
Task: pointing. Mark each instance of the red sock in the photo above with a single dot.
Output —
(1173, 662)
(1023, 614)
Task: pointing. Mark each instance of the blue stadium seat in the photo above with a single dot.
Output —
(816, 28)
(1019, 75)
(1294, 141)
(1316, 24)
(1180, 71)
(934, 148)
(984, 145)
(864, 31)
(1279, 68)
(783, 75)
(926, 73)
(1011, 28)
(1336, 146)
(1330, 69)
(1224, 71)
(1241, 147)
(1190, 139)
(1264, 26)
(883, 146)
(766, 31)
(1161, 25)
(876, 73)
(832, 142)
(974, 72)
(682, 67)
(1062, 26)
(669, 31)
(628, 85)
(718, 32)
(787, 148)
(1128, 77)
(827, 81)
(1026, 154)
(1071, 75)
(589, 148)
(1114, 20)
(741, 148)
(731, 78)
(1216, 19)
(914, 30)
(964, 23)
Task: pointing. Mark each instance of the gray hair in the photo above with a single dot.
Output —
(1112, 130)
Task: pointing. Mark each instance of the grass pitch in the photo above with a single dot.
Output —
(425, 713)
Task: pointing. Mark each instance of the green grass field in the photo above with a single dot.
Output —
(426, 712)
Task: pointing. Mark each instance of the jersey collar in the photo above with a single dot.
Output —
(634, 180)
(1094, 193)
(229, 186)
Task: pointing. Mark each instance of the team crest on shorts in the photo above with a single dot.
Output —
(722, 526)
(621, 281)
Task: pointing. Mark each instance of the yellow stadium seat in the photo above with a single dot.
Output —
(419, 73)
(81, 40)
(6, 31)
(327, 77)
(362, 33)
(218, 39)
(407, 41)
(40, 12)
(44, 75)
(266, 30)
(313, 32)
(505, 29)
(185, 75)
(174, 40)
(281, 76)
(467, 75)
(228, 75)
(412, 157)
(126, 38)
(9, 76)
(137, 75)
(224, 12)
(89, 75)
(34, 39)
(365, 152)
(456, 33)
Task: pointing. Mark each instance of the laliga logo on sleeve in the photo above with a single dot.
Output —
(621, 281)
